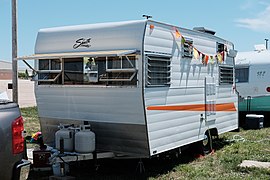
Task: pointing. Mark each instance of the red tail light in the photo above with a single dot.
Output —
(17, 136)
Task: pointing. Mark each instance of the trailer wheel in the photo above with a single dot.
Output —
(207, 143)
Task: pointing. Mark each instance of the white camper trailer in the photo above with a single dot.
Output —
(252, 73)
(145, 87)
(253, 83)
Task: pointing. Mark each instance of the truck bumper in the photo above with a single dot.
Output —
(22, 170)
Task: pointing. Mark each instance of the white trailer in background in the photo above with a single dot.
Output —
(253, 83)
(145, 87)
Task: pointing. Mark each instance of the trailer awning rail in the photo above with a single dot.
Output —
(79, 54)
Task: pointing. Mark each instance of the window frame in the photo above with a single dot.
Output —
(51, 75)
(118, 74)
(220, 47)
(158, 70)
(244, 79)
(120, 69)
(223, 72)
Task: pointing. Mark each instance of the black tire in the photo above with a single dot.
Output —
(207, 143)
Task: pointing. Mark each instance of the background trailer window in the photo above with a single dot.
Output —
(241, 74)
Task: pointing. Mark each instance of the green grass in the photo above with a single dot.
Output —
(223, 164)
(31, 122)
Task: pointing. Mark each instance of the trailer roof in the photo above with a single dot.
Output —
(191, 31)
(253, 57)
(108, 39)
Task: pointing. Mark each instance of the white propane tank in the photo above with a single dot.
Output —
(85, 140)
(67, 134)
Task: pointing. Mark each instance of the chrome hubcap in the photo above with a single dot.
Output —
(205, 140)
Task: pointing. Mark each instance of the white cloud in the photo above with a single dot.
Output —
(261, 22)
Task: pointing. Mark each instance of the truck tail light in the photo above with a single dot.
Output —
(17, 136)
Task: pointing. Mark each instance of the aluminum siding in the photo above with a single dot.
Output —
(170, 129)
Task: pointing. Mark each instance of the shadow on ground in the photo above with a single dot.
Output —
(131, 168)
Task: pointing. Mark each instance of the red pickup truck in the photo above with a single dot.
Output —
(12, 146)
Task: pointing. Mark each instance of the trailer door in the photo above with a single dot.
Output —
(210, 99)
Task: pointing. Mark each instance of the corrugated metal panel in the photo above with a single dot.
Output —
(117, 105)
(160, 39)
(115, 114)
(205, 45)
(171, 129)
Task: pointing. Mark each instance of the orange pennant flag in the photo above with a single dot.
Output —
(177, 33)
(206, 57)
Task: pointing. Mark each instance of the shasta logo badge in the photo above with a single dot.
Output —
(82, 42)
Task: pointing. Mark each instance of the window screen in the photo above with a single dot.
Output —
(120, 70)
(49, 71)
(220, 47)
(73, 70)
(158, 71)
(241, 74)
(225, 75)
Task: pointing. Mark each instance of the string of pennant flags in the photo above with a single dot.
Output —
(198, 55)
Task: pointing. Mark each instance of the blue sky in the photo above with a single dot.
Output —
(243, 22)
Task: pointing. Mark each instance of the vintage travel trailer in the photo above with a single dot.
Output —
(144, 87)
(253, 83)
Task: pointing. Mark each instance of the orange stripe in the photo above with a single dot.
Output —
(194, 107)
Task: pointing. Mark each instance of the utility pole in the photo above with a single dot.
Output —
(266, 43)
(14, 53)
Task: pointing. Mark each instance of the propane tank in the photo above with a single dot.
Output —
(67, 134)
(85, 140)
